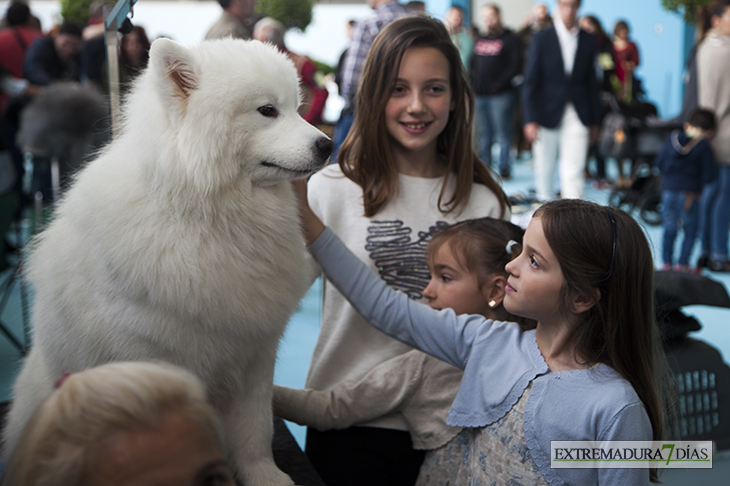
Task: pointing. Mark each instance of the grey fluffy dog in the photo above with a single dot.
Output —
(65, 120)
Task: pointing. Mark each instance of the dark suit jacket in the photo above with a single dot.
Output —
(546, 88)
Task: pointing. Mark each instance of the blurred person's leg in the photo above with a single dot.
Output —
(485, 129)
(9, 130)
(503, 108)
(690, 223)
(574, 137)
(600, 174)
(721, 222)
(707, 204)
(671, 210)
(545, 155)
(521, 143)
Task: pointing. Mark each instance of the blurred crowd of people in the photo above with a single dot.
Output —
(31, 58)
(62, 69)
(497, 60)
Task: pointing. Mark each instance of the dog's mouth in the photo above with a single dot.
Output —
(294, 171)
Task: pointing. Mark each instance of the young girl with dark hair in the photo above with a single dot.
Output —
(590, 370)
(134, 54)
(466, 261)
(406, 169)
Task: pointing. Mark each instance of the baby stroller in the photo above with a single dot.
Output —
(643, 194)
(634, 132)
(701, 379)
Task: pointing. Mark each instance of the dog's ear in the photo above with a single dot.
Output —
(175, 68)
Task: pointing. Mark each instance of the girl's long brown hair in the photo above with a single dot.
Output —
(365, 156)
(620, 330)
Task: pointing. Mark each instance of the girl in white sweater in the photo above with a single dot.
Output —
(406, 169)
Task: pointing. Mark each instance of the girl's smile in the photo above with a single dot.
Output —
(416, 127)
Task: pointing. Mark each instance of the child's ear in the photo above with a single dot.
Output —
(493, 291)
(585, 302)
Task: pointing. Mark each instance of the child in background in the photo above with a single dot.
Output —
(686, 163)
(587, 372)
(406, 169)
(466, 261)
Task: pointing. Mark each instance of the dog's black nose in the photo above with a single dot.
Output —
(324, 147)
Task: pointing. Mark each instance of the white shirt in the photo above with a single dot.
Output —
(568, 40)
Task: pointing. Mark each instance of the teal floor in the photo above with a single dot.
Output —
(301, 335)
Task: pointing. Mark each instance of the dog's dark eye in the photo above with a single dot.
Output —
(269, 111)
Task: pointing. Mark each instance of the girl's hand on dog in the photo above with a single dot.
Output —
(311, 224)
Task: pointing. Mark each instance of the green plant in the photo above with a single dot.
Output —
(323, 68)
(294, 14)
(687, 8)
(76, 10)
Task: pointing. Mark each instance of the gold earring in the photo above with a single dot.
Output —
(492, 303)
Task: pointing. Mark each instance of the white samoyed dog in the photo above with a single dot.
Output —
(181, 242)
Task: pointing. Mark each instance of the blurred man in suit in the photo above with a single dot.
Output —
(560, 102)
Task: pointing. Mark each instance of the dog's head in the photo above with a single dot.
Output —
(230, 110)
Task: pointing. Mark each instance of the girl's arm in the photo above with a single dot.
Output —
(383, 390)
(631, 423)
(442, 334)
(439, 333)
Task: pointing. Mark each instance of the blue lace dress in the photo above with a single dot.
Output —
(485, 456)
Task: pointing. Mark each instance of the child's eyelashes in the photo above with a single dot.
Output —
(533, 262)
(437, 90)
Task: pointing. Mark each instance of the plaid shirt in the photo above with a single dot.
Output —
(362, 39)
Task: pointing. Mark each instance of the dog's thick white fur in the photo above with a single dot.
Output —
(181, 242)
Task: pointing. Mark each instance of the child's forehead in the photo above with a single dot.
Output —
(445, 248)
(534, 224)
(535, 234)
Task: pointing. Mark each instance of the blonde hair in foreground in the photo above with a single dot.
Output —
(93, 404)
